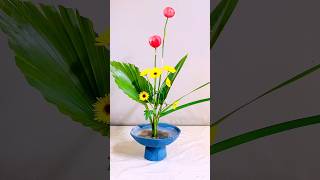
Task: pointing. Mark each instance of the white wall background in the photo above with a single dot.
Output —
(132, 23)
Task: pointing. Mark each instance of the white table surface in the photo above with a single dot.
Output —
(187, 158)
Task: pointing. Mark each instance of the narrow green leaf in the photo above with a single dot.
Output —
(219, 17)
(148, 114)
(164, 90)
(183, 106)
(267, 131)
(291, 80)
(188, 94)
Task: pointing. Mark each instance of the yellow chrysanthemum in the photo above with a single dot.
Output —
(155, 72)
(168, 82)
(102, 109)
(175, 104)
(143, 96)
(169, 69)
(145, 72)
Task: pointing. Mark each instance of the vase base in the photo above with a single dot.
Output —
(155, 153)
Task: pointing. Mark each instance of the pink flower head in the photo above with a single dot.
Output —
(155, 41)
(169, 12)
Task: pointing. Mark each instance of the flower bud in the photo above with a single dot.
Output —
(155, 41)
(169, 12)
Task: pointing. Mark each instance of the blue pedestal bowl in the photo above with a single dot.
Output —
(155, 149)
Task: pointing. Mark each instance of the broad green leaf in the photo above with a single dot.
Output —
(285, 83)
(164, 90)
(127, 77)
(219, 17)
(183, 106)
(267, 131)
(54, 49)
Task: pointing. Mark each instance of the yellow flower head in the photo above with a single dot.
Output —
(169, 69)
(175, 104)
(155, 72)
(168, 82)
(143, 96)
(102, 109)
(145, 72)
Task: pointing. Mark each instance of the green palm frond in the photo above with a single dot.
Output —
(55, 50)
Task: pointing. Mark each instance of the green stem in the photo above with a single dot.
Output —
(158, 95)
(147, 108)
(157, 116)
(155, 57)
(164, 36)
(155, 80)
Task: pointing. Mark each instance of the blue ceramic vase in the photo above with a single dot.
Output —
(155, 149)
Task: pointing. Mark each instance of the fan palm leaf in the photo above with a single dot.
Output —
(55, 49)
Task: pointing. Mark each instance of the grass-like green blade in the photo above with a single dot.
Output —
(196, 89)
(127, 77)
(183, 106)
(55, 50)
(204, 85)
(267, 131)
(291, 80)
(219, 17)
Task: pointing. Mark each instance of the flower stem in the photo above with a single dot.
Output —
(164, 37)
(155, 80)
(155, 57)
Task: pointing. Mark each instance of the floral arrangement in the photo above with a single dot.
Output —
(151, 86)
(61, 56)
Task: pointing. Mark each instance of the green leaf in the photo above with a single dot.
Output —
(267, 131)
(219, 17)
(104, 39)
(148, 114)
(54, 49)
(187, 94)
(285, 83)
(127, 77)
(183, 106)
(164, 90)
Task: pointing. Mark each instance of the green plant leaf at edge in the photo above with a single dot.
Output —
(54, 49)
(285, 83)
(219, 17)
(267, 131)
(183, 106)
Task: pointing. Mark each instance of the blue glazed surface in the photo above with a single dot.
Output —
(155, 148)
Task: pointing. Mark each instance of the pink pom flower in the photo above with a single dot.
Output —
(155, 41)
(169, 12)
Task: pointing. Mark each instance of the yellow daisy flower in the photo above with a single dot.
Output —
(102, 109)
(155, 72)
(143, 96)
(168, 82)
(145, 72)
(175, 104)
(169, 69)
